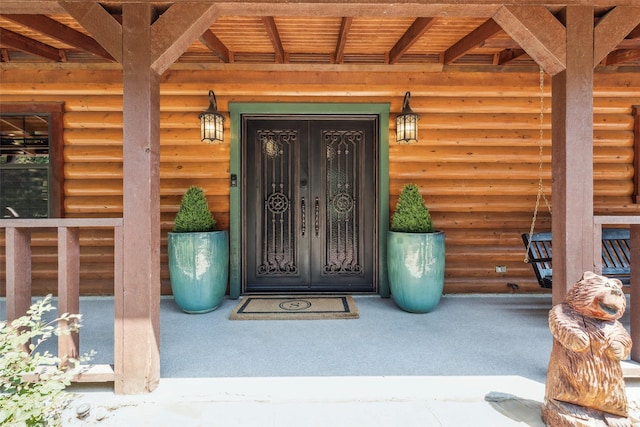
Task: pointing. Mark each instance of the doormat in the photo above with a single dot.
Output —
(295, 308)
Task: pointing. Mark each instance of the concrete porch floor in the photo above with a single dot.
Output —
(465, 335)
(387, 368)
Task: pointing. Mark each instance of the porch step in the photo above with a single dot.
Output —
(630, 369)
(93, 374)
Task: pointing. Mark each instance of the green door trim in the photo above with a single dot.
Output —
(236, 109)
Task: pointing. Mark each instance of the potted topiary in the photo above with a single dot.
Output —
(198, 256)
(415, 254)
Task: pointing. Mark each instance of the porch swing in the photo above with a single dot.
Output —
(615, 241)
(538, 245)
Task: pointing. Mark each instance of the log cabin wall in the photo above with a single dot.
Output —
(476, 163)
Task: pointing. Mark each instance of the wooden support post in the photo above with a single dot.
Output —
(145, 49)
(141, 184)
(572, 155)
(635, 291)
(68, 289)
(18, 272)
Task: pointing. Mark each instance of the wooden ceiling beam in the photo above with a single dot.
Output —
(635, 33)
(509, 55)
(30, 7)
(621, 56)
(472, 40)
(104, 28)
(274, 36)
(629, 44)
(345, 26)
(9, 39)
(172, 33)
(61, 32)
(412, 35)
(326, 8)
(177, 28)
(506, 43)
(628, 49)
(612, 29)
(538, 32)
(335, 8)
(214, 44)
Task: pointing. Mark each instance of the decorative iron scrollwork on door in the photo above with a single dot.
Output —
(277, 253)
(343, 178)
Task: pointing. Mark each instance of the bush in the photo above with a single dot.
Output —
(32, 383)
(194, 215)
(411, 216)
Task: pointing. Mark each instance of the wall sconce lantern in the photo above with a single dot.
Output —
(212, 122)
(407, 123)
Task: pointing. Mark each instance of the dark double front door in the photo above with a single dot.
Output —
(309, 203)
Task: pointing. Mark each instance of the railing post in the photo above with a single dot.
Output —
(19, 289)
(18, 271)
(68, 289)
(634, 268)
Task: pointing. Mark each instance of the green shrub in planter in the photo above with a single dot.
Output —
(194, 214)
(415, 254)
(411, 216)
(198, 256)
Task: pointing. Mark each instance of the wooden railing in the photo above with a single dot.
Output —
(634, 239)
(18, 282)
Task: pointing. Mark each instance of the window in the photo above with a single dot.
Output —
(30, 160)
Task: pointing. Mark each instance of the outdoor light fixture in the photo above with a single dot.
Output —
(212, 122)
(406, 123)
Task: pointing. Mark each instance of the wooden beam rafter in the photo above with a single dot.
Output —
(176, 29)
(612, 29)
(621, 56)
(104, 28)
(627, 50)
(9, 39)
(509, 55)
(61, 32)
(345, 26)
(472, 40)
(629, 44)
(214, 44)
(274, 36)
(538, 32)
(635, 33)
(408, 39)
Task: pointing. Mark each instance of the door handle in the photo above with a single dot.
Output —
(317, 214)
(303, 210)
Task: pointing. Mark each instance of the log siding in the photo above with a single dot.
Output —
(476, 162)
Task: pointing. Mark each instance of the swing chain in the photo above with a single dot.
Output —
(541, 193)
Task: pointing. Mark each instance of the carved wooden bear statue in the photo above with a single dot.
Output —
(585, 385)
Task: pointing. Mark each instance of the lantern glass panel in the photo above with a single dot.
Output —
(212, 127)
(407, 128)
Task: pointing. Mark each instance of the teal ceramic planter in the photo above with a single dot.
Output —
(198, 269)
(415, 263)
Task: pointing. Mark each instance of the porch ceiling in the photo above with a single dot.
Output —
(455, 36)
